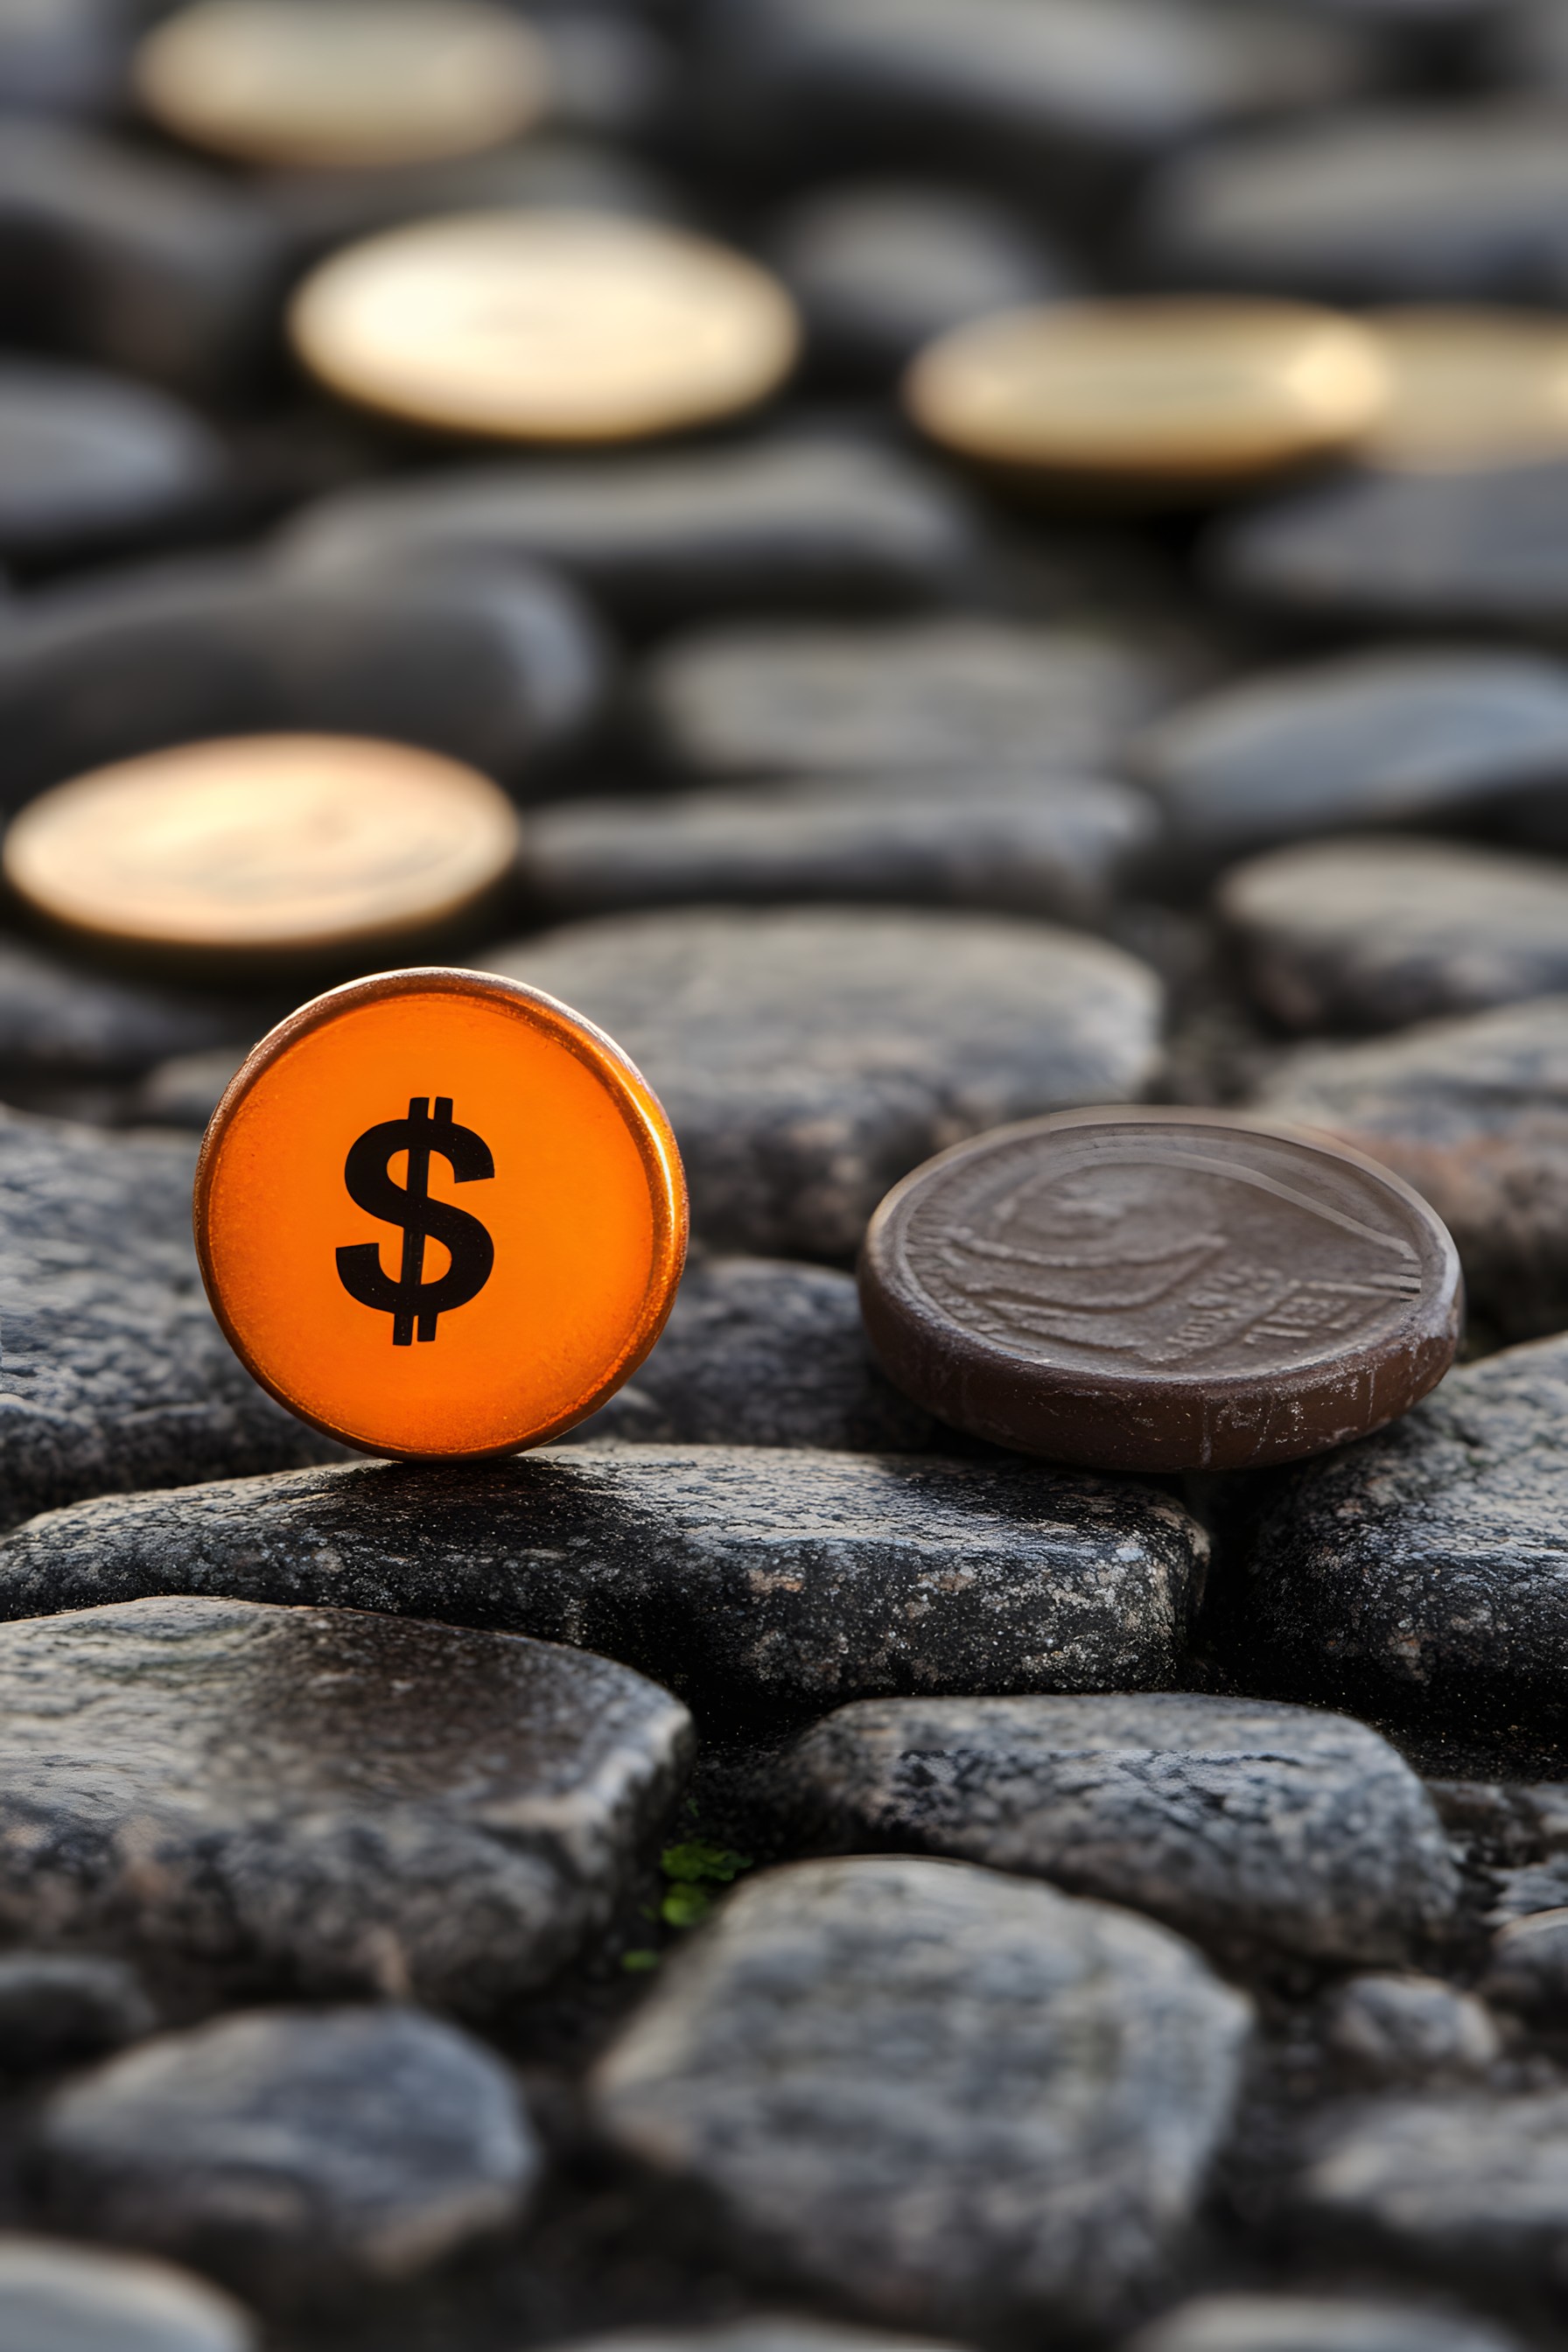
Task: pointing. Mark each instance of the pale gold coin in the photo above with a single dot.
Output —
(548, 327)
(327, 83)
(1469, 387)
(262, 846)
(1161, 394)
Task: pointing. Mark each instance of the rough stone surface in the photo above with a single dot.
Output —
(1425, 1569)
(809, 1058)
(659, 539)
(1372, 934)
(1052, 846)
(1484, 548)
(1242, 1823)
(880, 267)
(1463, 2187)
(761, 1351)
(1474, 1113)
(87, 460)
(292, 2152)
(114, 1373)
(56, 2010)
(934, 2090)
(324, 1799)
(61, 2298)
(944, 694)
(491, 665)
(1369, 738)
(135, 259)
(739, 1575)
(1310, 2323)
(1413, 202)
(1409, 2029)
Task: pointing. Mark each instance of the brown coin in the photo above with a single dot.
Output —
(1469, 387)
(1161, 396)
(328, 83)
(1160, 1290)
(550, 327)
(265, 847)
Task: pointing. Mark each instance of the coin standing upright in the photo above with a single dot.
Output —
(438, 1213)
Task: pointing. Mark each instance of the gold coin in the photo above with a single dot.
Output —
(264, 847)
(1163, 394)
(552, 327)
(343, 82)
(1469, 387)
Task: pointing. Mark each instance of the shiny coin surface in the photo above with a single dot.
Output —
(550, 327)
(263, 846)
(1469, 387)
(328, 83)
(1171, 396)
(438, 1213)
(1160, 1290)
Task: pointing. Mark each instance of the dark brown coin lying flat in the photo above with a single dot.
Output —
(1160, 1290)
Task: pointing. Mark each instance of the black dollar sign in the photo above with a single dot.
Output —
(411, 1299)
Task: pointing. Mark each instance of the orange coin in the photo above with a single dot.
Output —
(438, 1213)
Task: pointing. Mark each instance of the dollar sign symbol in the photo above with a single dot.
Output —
(411, 1299)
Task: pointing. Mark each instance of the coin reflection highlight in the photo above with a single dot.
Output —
(264, 848)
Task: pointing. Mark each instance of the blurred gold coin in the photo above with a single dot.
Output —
(343, 82)
(264, 847)
(550, 327)
(1163, 394)
(1469, 387)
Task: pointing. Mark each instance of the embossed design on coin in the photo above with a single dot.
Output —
(1160, 1290)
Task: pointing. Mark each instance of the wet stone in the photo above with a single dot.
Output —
(293, 2153)
(1247, 1825)
(323, 1801)
(760, 1351)
(88, 460)
(944, 2094)
(1385, 2029)
(1311, 2322)
(58, 2009)
(1009, 83)
(937, 695)
(780, 2332)
(1485, 548)
(1370, 739)
(56, 2297)
(115, 1374)
(1423, 1571)
(1474, 1113)
(1415, 202)
(659, 539)
(1016, 843)
(133, 259)
(809, 1058)
(740, 1576)
(498, 667)
(880, 267)
(1376, 933)
(1461, 2187)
